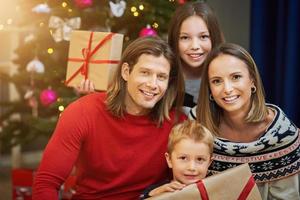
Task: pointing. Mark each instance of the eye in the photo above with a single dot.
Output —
(216, 81)
(182, 158)
(162, 77)
(200, 160)
(183, 37)
(236, 77)
(144, 72)
(204, 37)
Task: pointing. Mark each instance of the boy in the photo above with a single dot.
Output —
(189, 154)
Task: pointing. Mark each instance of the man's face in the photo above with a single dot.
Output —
(146, 83)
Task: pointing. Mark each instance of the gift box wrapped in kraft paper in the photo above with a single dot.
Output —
(93, 56)
(233, 184)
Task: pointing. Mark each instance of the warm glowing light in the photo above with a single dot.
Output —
(64, 4)
(50, 50)
(42, 24)
(9, 21)
(70, 10)
(61, 108)
(171, 0)
(155, 25)
(141, 7)
(133, 9)
(135, 14)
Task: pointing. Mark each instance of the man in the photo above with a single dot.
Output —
(116, 140)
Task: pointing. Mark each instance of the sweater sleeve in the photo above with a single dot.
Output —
(60, 154)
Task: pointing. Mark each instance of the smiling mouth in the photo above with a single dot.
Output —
(148, 94)
(231, 99)
(195, 56)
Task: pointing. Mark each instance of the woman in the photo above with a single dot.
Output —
(232, 106)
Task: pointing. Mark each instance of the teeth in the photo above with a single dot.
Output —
(195, 55)
(148, 94)
(230, 98)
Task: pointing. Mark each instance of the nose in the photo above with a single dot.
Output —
(152, 82)
(192, 166)
(228, 87)
(195, 44)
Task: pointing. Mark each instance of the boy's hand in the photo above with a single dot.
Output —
(169, 187)
(85, 87)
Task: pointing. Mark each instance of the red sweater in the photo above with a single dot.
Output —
(115, 158)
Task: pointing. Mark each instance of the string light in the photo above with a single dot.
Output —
(133, 9)
(70, 10)
(50, 50)
(155, 25)
(141, 7)
(64, 4)
(135, 14)
(42, 24)
(61, 108)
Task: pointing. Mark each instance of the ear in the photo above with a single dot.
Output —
(168, 159)
(125, 71)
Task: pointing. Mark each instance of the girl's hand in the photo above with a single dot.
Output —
(85, 87)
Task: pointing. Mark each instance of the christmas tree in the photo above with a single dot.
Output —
(43, 53)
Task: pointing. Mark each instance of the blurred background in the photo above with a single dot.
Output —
(34, 38)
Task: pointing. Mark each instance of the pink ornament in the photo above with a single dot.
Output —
(181, 1)
(147, 31)
(47, 97)
(83, 3)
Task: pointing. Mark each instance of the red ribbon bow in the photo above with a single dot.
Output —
(87, 53)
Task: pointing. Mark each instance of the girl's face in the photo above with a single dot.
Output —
(189, 161)
(230, 84)
(194, 41)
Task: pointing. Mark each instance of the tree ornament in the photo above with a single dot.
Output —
(47, 97)
(63, 28)
(117, 9)
(181, 1)
(35, 66)
(83, 3)
(147, 31)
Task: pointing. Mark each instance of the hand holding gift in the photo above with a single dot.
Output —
(233, 184)
(93, 56)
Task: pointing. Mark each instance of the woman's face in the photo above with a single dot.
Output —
(194, 41)
(230, 84)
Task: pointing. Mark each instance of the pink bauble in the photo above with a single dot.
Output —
(47, 97)
(147, 31)
(83, 3)
(181, 1)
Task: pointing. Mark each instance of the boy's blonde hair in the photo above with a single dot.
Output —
(190, 129)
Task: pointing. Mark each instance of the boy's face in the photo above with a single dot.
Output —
(146, 83)
(189, 161)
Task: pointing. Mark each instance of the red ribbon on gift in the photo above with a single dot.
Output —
(87, 53)
(243, 195)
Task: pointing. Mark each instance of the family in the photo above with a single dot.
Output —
(174, 112)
